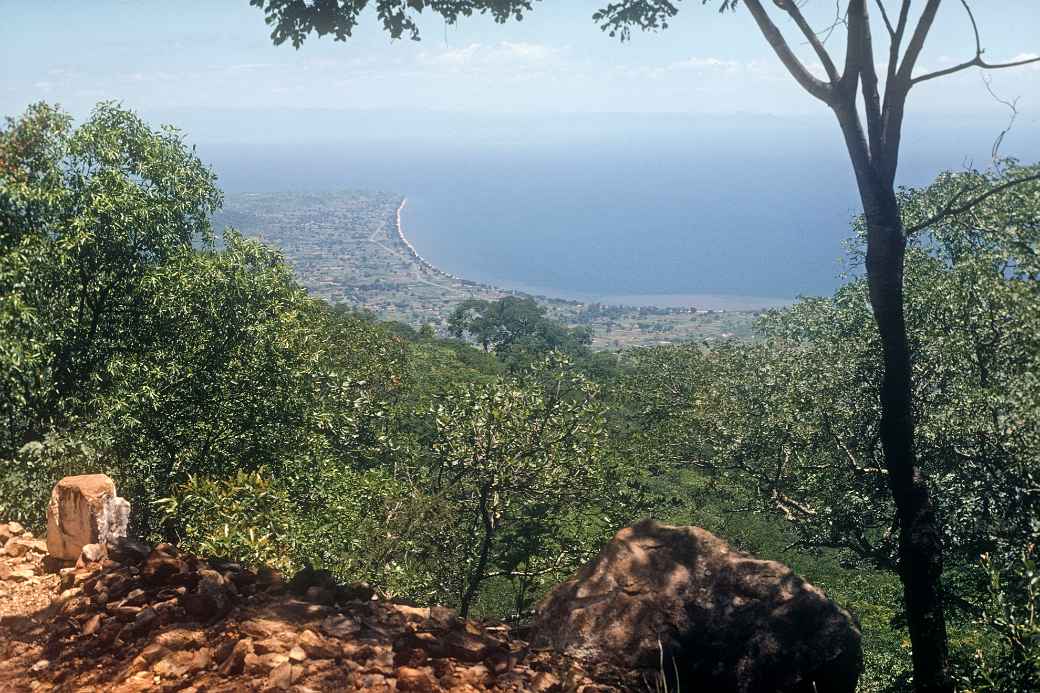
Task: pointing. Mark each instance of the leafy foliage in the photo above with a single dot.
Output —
(1010, 663)
(516, 329)
(124, 325)
(86, 215)
(519, 463)
(244, 418)
(789, 425)
(29, 475)
(294, 21)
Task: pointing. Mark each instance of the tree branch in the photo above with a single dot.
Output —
(916, 45)
(1012, 106)
(814, 40)
(884, 16)
(977, 61)
(859, 31)
(949, 210)
(818, 88)
(897, 41)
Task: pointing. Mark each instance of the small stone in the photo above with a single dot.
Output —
(136, 597)
(280, 677)
(181, 639)
(145, 619)
(235, 662)
(14, 529)
(40, 666)
(416, 680)
(128, 551)
(544, 682)
(297, 654)
(92, 625)
(92, 553)
(22, 574)
(16, 547)
(317, 647)
(320, 595)
(339, 626)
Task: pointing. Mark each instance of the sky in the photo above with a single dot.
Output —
(165, 57)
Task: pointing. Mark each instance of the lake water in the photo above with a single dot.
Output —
(739, 212)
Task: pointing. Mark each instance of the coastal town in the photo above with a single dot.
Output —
(351, 247)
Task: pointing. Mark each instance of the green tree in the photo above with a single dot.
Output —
(85, 214)
(804, 427)
(523, 466)
(871, 123)
(516, 329)
(790, 424)
(246, 372)
(126, 331)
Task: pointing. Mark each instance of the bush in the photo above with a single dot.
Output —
(26, 479)
(1009, 659)
(243, 518)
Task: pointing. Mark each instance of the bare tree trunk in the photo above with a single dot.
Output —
(920, 538)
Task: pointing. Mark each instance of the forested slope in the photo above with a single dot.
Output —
(244, 418)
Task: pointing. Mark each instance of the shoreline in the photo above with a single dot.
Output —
(676, 303)
(423, 262)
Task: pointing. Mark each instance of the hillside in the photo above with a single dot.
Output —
(124, 626)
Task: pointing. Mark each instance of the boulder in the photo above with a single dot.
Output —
(678, 599)
(84, 510)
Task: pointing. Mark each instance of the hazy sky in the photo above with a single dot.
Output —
(158, 56)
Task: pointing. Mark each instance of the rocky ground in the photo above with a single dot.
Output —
(156, 619)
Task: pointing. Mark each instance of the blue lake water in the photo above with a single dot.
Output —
(664, 211)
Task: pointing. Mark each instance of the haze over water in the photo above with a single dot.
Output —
(715, 212)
